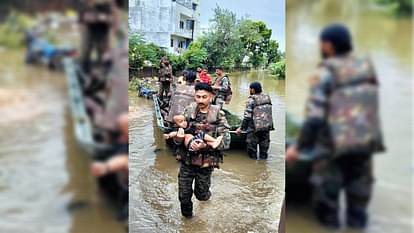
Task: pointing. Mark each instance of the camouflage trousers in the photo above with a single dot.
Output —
(261, 138)
(90, 43)
(219, 100)
(354, 174)
(164, 89)
(202, 180)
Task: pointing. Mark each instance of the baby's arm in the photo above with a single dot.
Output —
(170, 135)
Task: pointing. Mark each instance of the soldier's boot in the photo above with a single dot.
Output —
(326, 196)
(187, 209)
(252, 155)
(327, 216)
(358, 195)
(358, 191)
(263, 155)
(252, 150)
(356, 218)
(264, 143)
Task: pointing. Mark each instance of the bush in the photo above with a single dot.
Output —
(278, 69)
(140, 52)
(195, 56)
(11, 31)
(178, 62)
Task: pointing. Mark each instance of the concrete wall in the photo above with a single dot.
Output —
(158, 20)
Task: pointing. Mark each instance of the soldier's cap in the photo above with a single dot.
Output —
(339, 36)
(203, 87)
(256, 86)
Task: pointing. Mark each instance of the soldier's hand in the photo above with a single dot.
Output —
(197, 145)
(99, 169)
(292, 154)
(238, 131)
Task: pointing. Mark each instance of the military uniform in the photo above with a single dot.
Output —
(258, 122)
(224, 92)
(165, 78)
(342, 118)
(97, 20)
(214, 123)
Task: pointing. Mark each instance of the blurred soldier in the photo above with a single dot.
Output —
(96, 16)
(222, 88)
(116, 165)
(165, 77)
(342, 118)
(207, 118)
(257, 122)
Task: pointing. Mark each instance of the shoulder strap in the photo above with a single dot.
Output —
(213, 112)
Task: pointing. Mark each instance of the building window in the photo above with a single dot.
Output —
(181, 25)
(194, 6)
(181, 44)
(172, 43)
(189, 24)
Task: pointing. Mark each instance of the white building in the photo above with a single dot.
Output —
(170, 24)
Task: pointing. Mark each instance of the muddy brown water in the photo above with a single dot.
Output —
(247, 194)
(45, 184)
(387, 40)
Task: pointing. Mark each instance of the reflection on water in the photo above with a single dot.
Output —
(247, 194)
(45, 185)
(388, 41)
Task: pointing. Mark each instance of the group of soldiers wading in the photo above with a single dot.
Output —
(341, 128)
(201, 131)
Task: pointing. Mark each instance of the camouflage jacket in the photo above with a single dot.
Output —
(248, 123)
(165, 73)
(326, 117)
(315, 126)
(224, 85)
(215, 124)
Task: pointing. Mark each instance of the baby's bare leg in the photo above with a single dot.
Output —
(213, 142)
(209, 139)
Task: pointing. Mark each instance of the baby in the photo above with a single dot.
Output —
(190, 136)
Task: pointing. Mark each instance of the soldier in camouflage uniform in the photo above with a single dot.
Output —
(257, 122)
(342, 119)
(210, 119)
(165, 77)
(222, 88)
(97, 17)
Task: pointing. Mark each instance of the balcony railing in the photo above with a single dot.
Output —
(183, 33)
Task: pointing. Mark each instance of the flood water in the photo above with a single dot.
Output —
(246, 194)
(45, 184)
(387, 40)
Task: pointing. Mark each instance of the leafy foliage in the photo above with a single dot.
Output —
(195, 56)
(139, 52)
(230, 42)
(398, 7)
(278, 69)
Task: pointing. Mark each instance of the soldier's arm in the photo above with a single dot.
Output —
(223, 128)
(222, 125)
(315, 113)
(248, 114)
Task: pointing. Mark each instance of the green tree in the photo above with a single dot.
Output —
(398, 7)
(273, 52)
(278, 69)
(222, 42)
(178, 62)
(255, 37)
(140, 52)
(196, 55)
